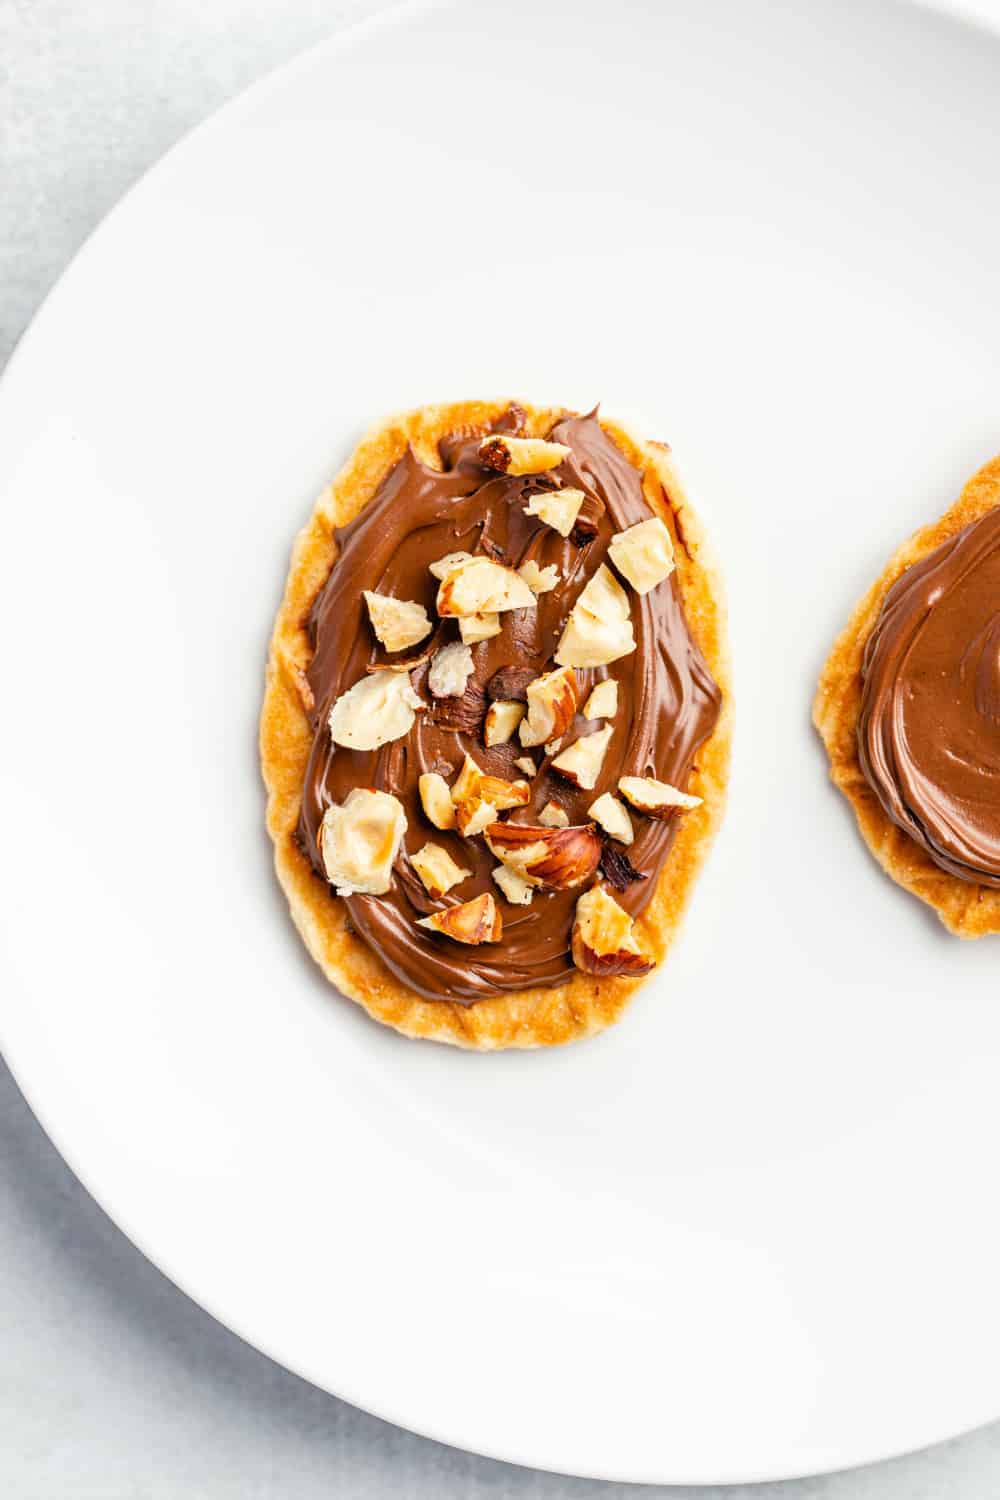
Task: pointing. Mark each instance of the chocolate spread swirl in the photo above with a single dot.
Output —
(929, 727)
(668, 703)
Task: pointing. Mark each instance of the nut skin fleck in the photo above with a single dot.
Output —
(617, 869)
(587, 522)
(465, 715)
(510, 684)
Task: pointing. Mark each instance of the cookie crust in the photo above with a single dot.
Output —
(528, 1018)
(968, 910)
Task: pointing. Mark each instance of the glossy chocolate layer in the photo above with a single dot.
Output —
(668, 703)
(929, 728)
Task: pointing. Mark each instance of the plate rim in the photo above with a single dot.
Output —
(956, 12)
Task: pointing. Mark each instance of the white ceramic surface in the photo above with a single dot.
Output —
(743, 1234)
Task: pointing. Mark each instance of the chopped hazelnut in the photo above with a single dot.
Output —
(437, 869)
(359, 840)
(475, 816)
(435, 798)
(451, 668)
(603, 700)
(581, 762)
(374, 711)
(501, 721)
(513, 455)
(613, 817)
(478, 798)
(515, 888)
(657, 799)
(557, 508)
(552, 701)
(603, 941)
(643, 554)
(448, 563)
(474, 922)
(599, 628)
(558, 857)
(397, 623)
(539, 580)
(473, 628)
(481, 586)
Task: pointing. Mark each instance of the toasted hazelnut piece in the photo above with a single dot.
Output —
(474, 782)
(516, 889)
(397, 623)
(359, 840)
(599, 628)
(505, 794)
(657, 799)
(603, 700)
(613, 817)
(478, 798)
(473, 628)
(552, 700)
(553, 816)
(581, 762)
(476, 921)
(557, 508)
(374, 711)
(526, 764)
(437, 869)
(501, 721)
(482, 586)
(643, 554)
(451, 668)
(552, 747)
(558, 857)
(475, 816)
(513, 455)
(435, 798)
(469, 780)
(449, 563)
(603, 941)
(539, 580)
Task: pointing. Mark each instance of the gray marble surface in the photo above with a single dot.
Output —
(113, 1386)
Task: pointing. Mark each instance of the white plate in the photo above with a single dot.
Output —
(754, 1230)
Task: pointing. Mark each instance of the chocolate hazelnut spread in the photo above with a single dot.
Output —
(929, 726)
(667, 706)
